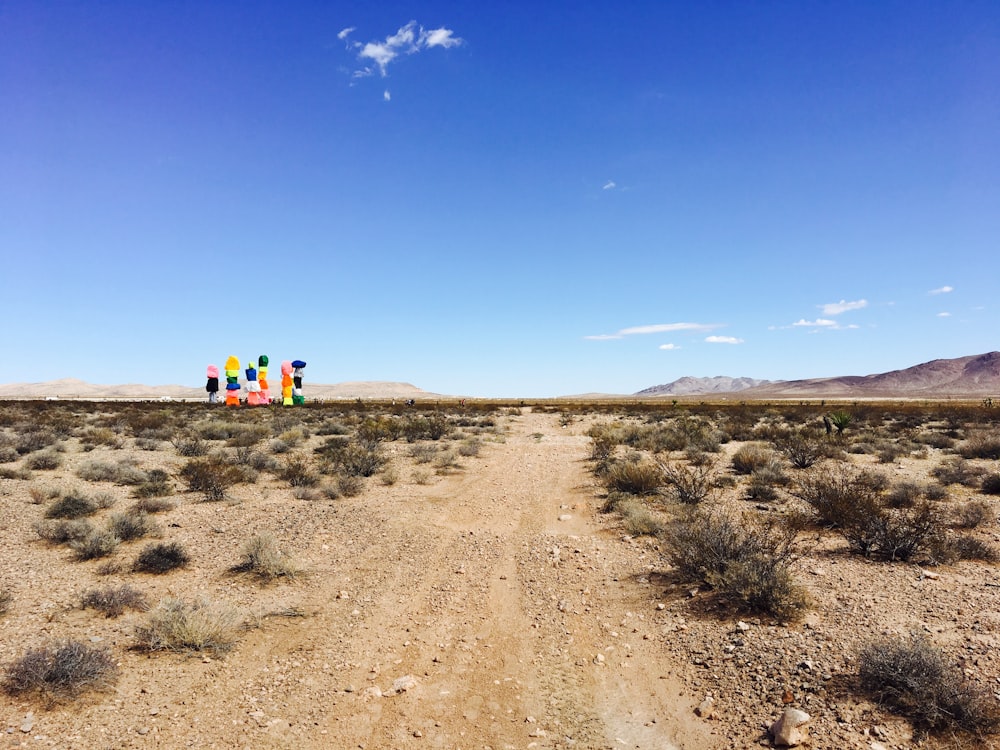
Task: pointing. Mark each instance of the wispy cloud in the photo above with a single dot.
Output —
(723, 340)
(944, 314)
(386, 96)
(669, 347)
(656, 328)
(942, 290)
(609, 185)
(408, 40)
(836, 308)
(818, 323)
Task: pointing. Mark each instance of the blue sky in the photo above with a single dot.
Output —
(505, 199)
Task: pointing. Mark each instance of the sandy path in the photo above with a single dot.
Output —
(494, 594)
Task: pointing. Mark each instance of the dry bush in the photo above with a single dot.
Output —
(95, 545)
(152, 505)
(913, 677)
(156, 484)
(638, 518)
(423, 453)
(973, 514)
(211, 476)
(945, 549)
(46, 460)
(634, 477)
(299, 472)
(957, 470)
(750, 457)
(61, 670)
(904, 494)
(160, 558)
(389, 476)
(72, 505)
(131, 526)
(34, 438)
(95, 436)
(350, 457)
(981, 444)
(177, 625)
(990, 484)
(801, 450)
(114, 600)
(690, 484)
(350, 486)
(263, 559)
(738, 558)
(189, 446)
(421, 476)
(470, 447)
(248, 435)
(64, 530)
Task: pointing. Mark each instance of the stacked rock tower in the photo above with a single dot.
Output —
(232, 381)
(253, 387)
(286, 383)
(212, 385)
(297, 396)
(265, 394)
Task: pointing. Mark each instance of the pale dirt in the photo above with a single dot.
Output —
(524, 616)
(495, 588)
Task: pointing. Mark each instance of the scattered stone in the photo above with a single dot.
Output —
(565, 517)
(706, 709)
(402, 684)
(29, 722)
(742, 626)
(372, 692)
(791, 728)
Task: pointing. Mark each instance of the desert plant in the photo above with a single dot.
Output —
(841, 420)
(177, 625)
(981, 444)
(738, 558)
(95, 545)
(689, 484)
(160, 558)
(973, 514)
(904, 494)
(638, 518)
(750, 457)
(152, 505)
(210, 476)
(72, 505)
(61, 670)
(299, 472)
(131, 526)
(263, 559)
(46, 460)
(64, 530)
(913, 676)
(114, 600)
(802, 451)
(350, 486)
(189, 446)
(958, 470)
(990, 484)
(351, 458)
(156, 484)
(635, 477)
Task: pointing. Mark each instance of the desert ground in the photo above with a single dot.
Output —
(472, 592)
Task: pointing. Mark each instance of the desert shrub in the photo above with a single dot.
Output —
(214, 429)
(421, 476)
(350, 486)
(750, 457)
(114, 600)
(738, 558)
(61, 670)
(936, 440)
(46, 460)
(990, 484)
(469, 448)
(957, 470)
(189, 446)
(945, 549)
(34, 439)
(981, 444)
(973, 514)
(888, 452)
(801, 450)
(177, 625)
(147, 444)
(638, 518)
(912, 676)
(446, 461)
(8, 454)
(306, 493)
(389, 476)
(761, 487)
(95, 545)
(936, 491)
(841, 498)
(122, 472)
(351, 458)
(432, 427)
(689, 484)
(299, 472)
(160, 558)
(131, 526)
(156, 484)
(900, 534)
(904, 494)
(634, 477)
(423, 453)
(152, 505)
(210, 476)
(73, 505)
(246, 435)
(63, 531)
(602, 443)
(94, 436)
(841, 420)
(263, 559)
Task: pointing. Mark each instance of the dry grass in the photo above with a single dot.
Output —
(60, 671)
(263, 559)
(177, 625)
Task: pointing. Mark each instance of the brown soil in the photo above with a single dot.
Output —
(521, 616)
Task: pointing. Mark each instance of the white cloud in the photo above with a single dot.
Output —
(609, 185)
(723, 340)
(657, 328)
(386, 96)
(439, 38)
(836, 308)
(944, 314)
(819, 322)
(942, 290)
(669, 347)
(408, 40)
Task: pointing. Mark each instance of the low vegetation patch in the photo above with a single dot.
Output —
(61, 670)
(160, 558)
(114, 600)
(178, 625)
(263, 559)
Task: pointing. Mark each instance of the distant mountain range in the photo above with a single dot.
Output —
(973, 376)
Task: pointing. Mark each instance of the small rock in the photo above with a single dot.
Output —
(929, 574)
(402, 684)
(29, 723)
(742, 626)
(565, 517)
(706, 709)
(791, 728)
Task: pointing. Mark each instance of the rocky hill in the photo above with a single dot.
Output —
(689, 386)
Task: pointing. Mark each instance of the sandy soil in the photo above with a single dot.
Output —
(511, 612)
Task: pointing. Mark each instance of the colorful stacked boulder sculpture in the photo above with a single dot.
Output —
(232, 382)
(265, 394)
(212, 386)
(298, 366)
(253, 387)
(286, 383)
